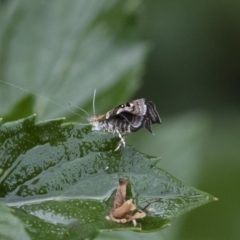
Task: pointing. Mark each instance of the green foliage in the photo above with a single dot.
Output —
(64, 51)
(60, 179)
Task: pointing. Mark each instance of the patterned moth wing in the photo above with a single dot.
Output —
(127, 118)
(151, 116)
(136, 107)
(147, 115)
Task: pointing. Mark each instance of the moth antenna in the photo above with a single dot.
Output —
(94, 97)
(45, 98)
(73, 105)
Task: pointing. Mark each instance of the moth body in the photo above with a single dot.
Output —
(112, 125)
(127, 118)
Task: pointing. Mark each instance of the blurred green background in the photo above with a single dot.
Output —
(191, 72)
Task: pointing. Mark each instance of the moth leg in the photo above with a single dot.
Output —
(118, 146)
(121, 142)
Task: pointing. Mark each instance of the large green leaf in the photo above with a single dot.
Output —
(61, 178)
(64, 50)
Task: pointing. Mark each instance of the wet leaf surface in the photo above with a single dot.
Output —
(61, 180)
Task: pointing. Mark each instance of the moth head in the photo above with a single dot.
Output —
(95, 122)
(96, 118)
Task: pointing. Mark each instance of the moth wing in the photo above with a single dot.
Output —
(152, 113)
(137, 122)
(147, 123)
(140, 107)
(134, 120)
(136, 107)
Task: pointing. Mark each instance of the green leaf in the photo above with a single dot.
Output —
(61, 179)
(63, 51)
(11, 228)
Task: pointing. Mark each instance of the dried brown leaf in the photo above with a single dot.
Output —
(122, 210)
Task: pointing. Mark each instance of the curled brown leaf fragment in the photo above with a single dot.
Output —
(122, 210)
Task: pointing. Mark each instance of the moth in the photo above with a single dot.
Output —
(127, 118)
